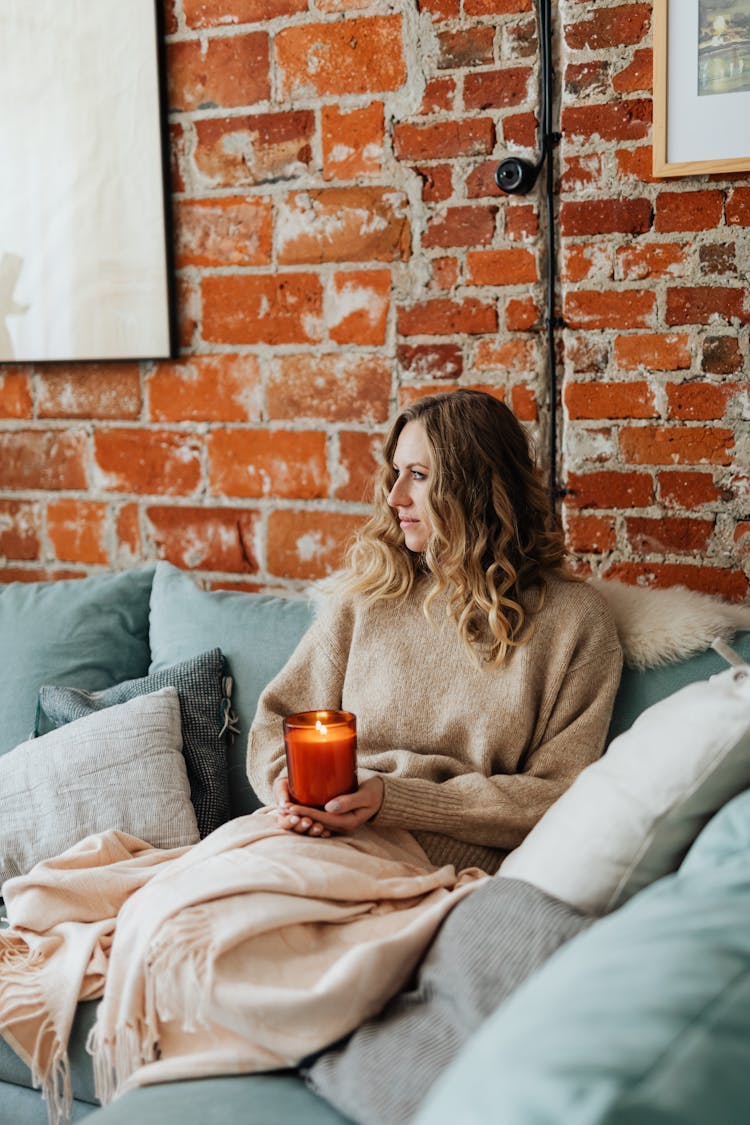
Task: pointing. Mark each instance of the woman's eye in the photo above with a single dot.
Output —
(417, 475)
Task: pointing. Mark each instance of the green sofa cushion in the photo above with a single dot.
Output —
(256, 632)
(643, 1018)
(640, 689)
(88, 633)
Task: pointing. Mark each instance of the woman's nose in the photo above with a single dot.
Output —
(398, 497)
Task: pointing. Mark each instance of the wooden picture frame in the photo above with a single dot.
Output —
(85, 239)
(701, 122)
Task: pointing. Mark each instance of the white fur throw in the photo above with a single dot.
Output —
(657, 626)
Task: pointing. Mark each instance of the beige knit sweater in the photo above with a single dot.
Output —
(471, 756)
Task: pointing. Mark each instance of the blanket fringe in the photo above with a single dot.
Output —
(21, 1000)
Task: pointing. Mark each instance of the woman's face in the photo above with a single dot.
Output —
(408, 497)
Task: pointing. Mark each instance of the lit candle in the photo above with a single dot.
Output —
(321, 756)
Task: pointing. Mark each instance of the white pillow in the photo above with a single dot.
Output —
(119, 768)
(630, 817)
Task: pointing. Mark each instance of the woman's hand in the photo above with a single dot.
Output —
(342, 814)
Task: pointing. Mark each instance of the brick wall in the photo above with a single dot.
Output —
(341, 248)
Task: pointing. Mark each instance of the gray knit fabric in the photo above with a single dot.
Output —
(489, 943)
(203, 712)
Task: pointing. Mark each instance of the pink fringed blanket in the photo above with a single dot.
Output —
(245, 952)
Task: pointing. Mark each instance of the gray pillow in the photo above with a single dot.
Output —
(119, 769)
(204, 707)
(489, 943)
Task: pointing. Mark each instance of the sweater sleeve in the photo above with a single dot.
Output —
(311, 679)
(499, 810)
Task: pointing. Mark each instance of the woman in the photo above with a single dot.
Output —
(482, 673)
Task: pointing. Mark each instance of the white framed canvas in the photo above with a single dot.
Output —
(85, 268)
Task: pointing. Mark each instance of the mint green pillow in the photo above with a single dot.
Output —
(257, 633)
(88, 633)
(643, 1018)
(640, 689)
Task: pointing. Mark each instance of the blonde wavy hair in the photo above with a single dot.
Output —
(492, 536)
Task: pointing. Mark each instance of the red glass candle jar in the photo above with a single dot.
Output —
(321, 756)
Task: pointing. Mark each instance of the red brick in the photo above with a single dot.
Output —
(43, 459)
(742, 539)
(465, 47)
(128, 534)
(355, 56)
(206, 13)
(431, 361)
(523, 403)
(737, 209)
(609, 489)
(278, 308)
(253, 148)
(481, 181)
(520, 129)
(515, 356)
(177, 156)
(654, 259)
(699, 402)
(19, 530)
(443, 317)
(77, 530)
(688, 210)
(352, 140)
(219, 539)
(207, 388)
(590, 534)
(636, 164)
(220, 72)
(582, 172)
(519, 39)
(440, 9)
(700, 304)
(343, 225)
(522, 314)
(34, 574)
(445, 273)
(628, 308)
(688, 489)
(309, 545)
(616, 121)
(501, 267)
(228, 231)
(610, 400)
(610, 27)
(496, 7)
(587, 79)
(586, 354)
(671, 445)
(654, 351)
(357, 462)
(15, 393)
(188, 311)
(439, 95)
(729, 584)
(409, 395)
(586, 261)
(170, 17)
(498, 89)
(357, 307)
(605, 216)
(334, 388)
(441, 140)
(521, 222)
(722, 355)
(278, 463)
(668, 535)
(639, 75)
(718, 258)
(437, 181)
(89, 390)
(461, 226)
(147, 461)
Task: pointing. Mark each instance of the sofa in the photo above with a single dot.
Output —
(643, 1017)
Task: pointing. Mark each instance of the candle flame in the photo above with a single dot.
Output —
(321, 728)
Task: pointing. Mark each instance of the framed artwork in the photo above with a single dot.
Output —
(701, 87)
(85, 262)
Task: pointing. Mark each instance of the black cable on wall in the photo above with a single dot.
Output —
(516, 176)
